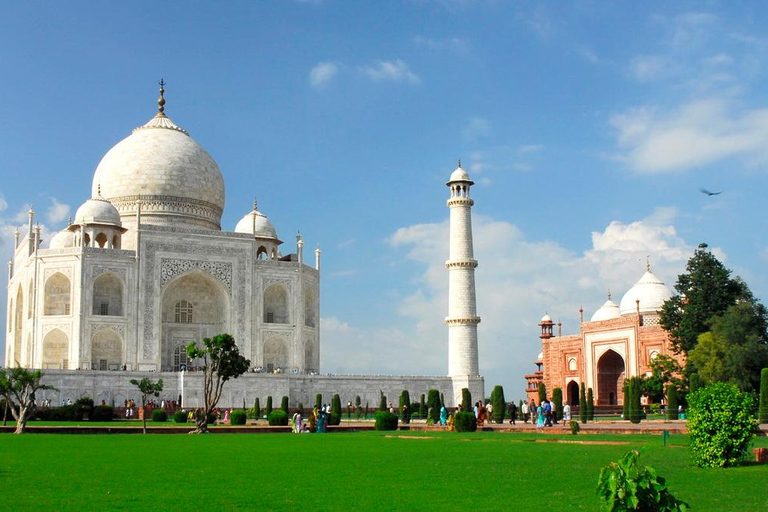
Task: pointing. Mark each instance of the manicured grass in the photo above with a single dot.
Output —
(347, 471)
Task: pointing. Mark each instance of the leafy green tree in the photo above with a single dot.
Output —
(635, 392)
(257, 409)
(590, 405)
(221, 361)
(405, 406)
(694, 382)
(466, 400)
(705, 290)
(147, 388)
(499, 404)
(721, 424)
(423, 407)
(542, 392)
(268, 408)
(382, 401)
(319, 400)
(672, 403)
(284, 404)
(557, 398)
(18, 387)
(735, 348)
(335, 418)
(762, 411)
(583, 411)
(433, 405)
(664, 369)
(627, 399)
(358, 406)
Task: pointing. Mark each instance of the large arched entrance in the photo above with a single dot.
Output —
(610, 372)
(195, 306)
(572, 392)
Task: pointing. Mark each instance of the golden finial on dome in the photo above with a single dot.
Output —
(609, 294)
(255, 205)
(648, 263)
(98, 190)
(459, 163)
(161, 99)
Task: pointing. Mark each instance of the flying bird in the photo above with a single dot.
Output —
(707, 192)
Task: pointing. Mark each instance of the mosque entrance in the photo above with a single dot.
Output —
(573, 393)
(610, 372)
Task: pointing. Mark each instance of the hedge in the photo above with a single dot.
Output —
(159, 416)
(237, 417)
(180, 417)
(385, 420)
(278, 418)
(464, 421)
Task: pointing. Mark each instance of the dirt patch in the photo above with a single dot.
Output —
(411, 437)
(568, 441)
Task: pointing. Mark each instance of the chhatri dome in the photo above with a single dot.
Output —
(160, 165)
(607, 311)
(649, 290)
(257, 224)
(98, 210)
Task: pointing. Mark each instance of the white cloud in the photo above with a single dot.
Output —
(697, 133)
(476, 128)
(57, 212)
(530, 148)
(323, 73)
(453, 44)
(392, 71)
(648, 67)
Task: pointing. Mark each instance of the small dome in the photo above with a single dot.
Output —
(607, 311)
(257, 224)
(546, 319)
(62, 240)
(460, 175)
(98, 211)
(650, 291)
(540, 356)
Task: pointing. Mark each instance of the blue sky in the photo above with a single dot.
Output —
(588, 127)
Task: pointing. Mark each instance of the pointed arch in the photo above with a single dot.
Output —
(572, 393)
(106, 350)
(108, 295)
(310, 308)
(276, 305)
(275, 354)
(57, 295)
(610, 373)
(101, 240)
(56, 350)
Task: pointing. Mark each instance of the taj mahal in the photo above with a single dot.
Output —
(145, 268)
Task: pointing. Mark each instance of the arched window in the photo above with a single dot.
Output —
(108, 295)
(57, 295)
(262, 254)
(56, 350)
(276, 305)
(87, 239)
(310, 308)
(275, 355)
(106, 350)
(572, 364)
(101, 240)
(183, 312)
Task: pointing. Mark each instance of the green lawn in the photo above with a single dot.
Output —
(347, 471)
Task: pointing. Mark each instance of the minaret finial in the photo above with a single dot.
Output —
(161, 99)
(255, 205)
(609, 294)
(69, 220)
(648, 263)
(459, 163)
(98, 190)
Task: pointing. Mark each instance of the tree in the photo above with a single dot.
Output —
(635, 392)
(499, 404)
(221, 361)
(466, 400)
(694, 382)
(590, 405)
(762, 411)
(542, 392)
(147, 388)
(18, 387)
(319, 400)
(423, 407)
(664, 370)
(706, 289)
(335, 418)
(382, 401)
(284, 404)
(672, 402)
(627, 398)
(433, 405)
(583, 411)
(405, 406)
(268, 408)
(256, 409)
(557, 398)
(735, 348)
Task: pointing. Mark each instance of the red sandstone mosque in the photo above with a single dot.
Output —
(617, 343)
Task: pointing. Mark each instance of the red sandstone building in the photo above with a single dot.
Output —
(618, 342)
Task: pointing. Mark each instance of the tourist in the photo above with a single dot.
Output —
(547, 413)
(554, 412)
(512, 413)
(539, 416)
(480, 414)
(566, 412)
(391, 408)
(524, 410)
(489, 412)
(297, 422)
(532, 411)
(443, 416)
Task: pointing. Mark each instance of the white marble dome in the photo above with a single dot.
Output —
(607, 311)
(460, 175)
(98, 211)
(160, 165)
(650, 291)
(546, 319)
(257, 224)
(62, 240)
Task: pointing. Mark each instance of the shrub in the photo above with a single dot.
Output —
(385, 420)
(382, 401)
(694, 382)
(284, 404)
(464, 421)
(466, 400)
(557, 398)
(84, 409)
(542, 392)
(405, 406)
(575, 427)
(423, 406)
(257, 409)
(237, 418)
(720, 424)
(762, 412)
(590, 405)
(499, 404)
(583, 403)
(627, 398)
(624, 485)
(433, 405)
(180, 417)
(300, 408)
(278, 417)
(212, 418)
(672, 402)
(159, 415)
(268, 409)
(335, 418)
(103, 413)
(634, 402)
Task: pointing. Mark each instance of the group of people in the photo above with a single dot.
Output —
(316, 422)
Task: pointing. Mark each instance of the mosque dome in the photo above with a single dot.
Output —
(62, 240)
(546, 319)
(257, 224)
(607, 311)
(160, 165)
(540, 356)
(98, 211)
(650, 291)
(460, 175)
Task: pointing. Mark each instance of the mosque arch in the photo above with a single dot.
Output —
(261, 253)
(106, 350)
(572, 365)
(56, 350)
(310, 308)
(310, 356)
(276, 305)
(101, 240)
(275, 354)
(57, 295)
(194, 306)
(18, 326)
(572, 393)
(87, 240)
(108, 295)
(610, 372)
